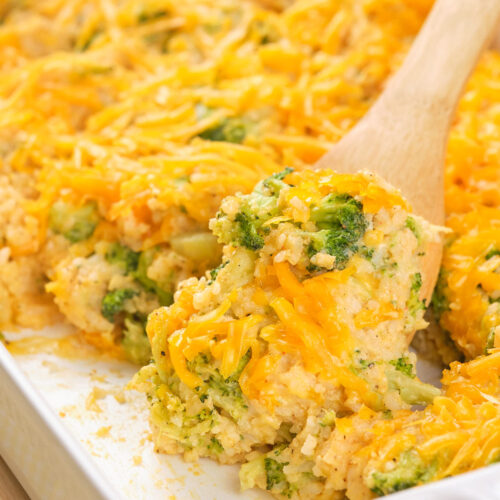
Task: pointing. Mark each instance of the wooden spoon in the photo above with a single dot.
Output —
(403, 136)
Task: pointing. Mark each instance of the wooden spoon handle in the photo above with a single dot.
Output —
(403, 136)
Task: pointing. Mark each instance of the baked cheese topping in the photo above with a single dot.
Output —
(320, 283)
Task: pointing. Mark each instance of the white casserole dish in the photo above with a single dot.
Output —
(51, 406)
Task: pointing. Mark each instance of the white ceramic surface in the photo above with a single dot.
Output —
(69, 430)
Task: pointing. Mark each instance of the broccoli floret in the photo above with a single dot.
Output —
(248, 233)
(401, 364)
(492, 254)
(439, 301)
(74, 223)
(255, 210)
(263, 32)
(247, 229)
(359, 365)
(339, 218)
(414, 303)
(268, 472)
(114, 301)
(274, 473)
(241, 365)
(165, 296)
(275, 182)
(279, 175)
(146, 16)
(340, 211)
(412, 390)
(364, 364)
(86, 44)
(225, 393)
(367, 252)
(136, 264)
(333, 242)
(171, 413)
(123, 256)
(409, 471)
(227, 130)
(215, 446)
(342, 223)
(387, 415)
(215, 272)
(411, 224)
(490, 341)
(135, 341)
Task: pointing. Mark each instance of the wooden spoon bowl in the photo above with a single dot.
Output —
(403, 136)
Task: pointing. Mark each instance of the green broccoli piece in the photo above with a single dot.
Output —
(339, 218)
(231, 129)
(411, 224)
(401, 364)
(439, 301)
(215, 446)
(241, 365)
(414, 303)
(114, 301)
(123, 256)
(264, 32)
(409, 471)
(165, 296)
(490, 341)
(364, 364)
(268, 472)
(136, 264)
(275, 182)
(342, 223)
(274, 473)
(215, 272)
(135, 342)
(248, 232)
(86, 44)
(74, 223)
(412, 390)
(492, 253)
(145, 16)
(340, 211)
(367, 252)
(247, 229)
(332, 242)
(229, 387)
(279, 175)
(225, 393)
(387, 415)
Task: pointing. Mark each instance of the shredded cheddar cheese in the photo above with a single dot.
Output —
(145, 115)
(156, 110)
(273, 338)
(468, 302)
(458, 432)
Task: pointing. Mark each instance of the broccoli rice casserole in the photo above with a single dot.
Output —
(156, 195)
